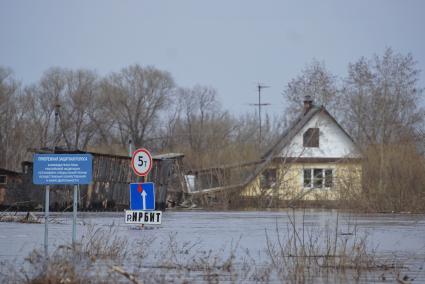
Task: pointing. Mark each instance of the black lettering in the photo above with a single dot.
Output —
(140, 216)
(129, 216)
(141, 162)
(152, 217)
(134, 216)
(146, 217)
(157, 216)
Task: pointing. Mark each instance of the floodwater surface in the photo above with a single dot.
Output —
(397, 236)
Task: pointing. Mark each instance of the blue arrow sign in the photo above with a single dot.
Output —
(142, 196)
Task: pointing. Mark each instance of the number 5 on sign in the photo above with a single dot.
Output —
(141, 162)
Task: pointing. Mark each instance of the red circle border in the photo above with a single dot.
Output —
(150, 164)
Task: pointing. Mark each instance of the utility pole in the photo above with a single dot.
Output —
(55, 135)
(260, 87)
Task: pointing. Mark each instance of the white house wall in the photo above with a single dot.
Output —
(333, 142)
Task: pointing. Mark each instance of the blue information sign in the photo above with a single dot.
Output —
(142, 196)
(62, 169)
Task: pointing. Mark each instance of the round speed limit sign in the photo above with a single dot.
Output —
(141, 162)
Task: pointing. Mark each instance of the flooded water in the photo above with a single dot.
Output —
(389, 236)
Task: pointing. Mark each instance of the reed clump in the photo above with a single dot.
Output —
(300, 254)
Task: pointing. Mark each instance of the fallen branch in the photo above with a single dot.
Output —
(126, 274)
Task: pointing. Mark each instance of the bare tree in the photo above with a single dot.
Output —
(72, 96)
(8, 122)
(134, 98)
(168, 134)
(200, 107)
(383, 101)
(316, 81)
(203, 129)
(40, 102)
(246, 131)
(79, 121)
(384, 112)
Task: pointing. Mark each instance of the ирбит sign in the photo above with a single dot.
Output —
(62, 169)
(143, 217)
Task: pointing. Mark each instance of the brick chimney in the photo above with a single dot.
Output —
(308, 103)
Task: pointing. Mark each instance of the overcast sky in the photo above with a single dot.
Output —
(229, 45)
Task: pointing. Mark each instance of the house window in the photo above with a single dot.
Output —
(268, 178)
(3, 179)
(318, 178)
(311, 138)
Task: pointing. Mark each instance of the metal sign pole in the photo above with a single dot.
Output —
(46, 221)
(74, 219)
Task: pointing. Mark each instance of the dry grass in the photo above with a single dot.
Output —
(392, 181)
(84, 263)
(300, 255)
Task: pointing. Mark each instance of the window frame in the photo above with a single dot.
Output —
(326, 178)
(268, 178)
(311, 138)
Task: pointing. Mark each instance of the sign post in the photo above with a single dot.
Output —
(74, 216)
(142, 195)
(72, 169)
(46, 222)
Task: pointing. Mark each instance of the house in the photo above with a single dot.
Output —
(314, 159)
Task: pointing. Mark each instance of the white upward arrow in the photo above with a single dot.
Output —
(144, 200)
